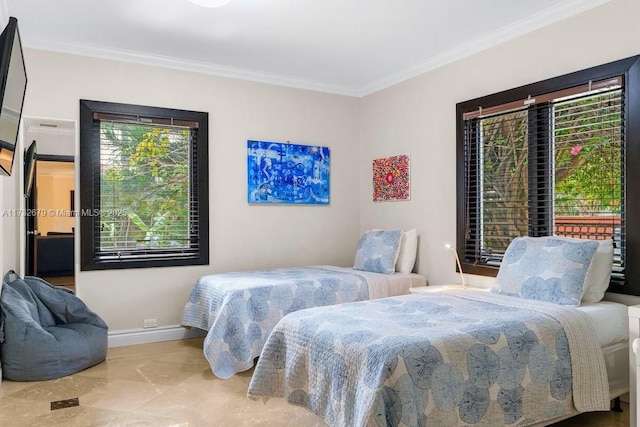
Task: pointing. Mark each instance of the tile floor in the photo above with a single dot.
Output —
(169, 384)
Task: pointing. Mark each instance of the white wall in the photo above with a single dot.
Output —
(11, 218)
(59, 141)
(418, 116)
(242, 236)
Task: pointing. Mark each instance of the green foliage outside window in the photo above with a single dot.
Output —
(145, 173)
(505, 178)
(588, 156)
(587, 166)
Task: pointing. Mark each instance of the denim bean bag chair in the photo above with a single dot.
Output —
(46, 332)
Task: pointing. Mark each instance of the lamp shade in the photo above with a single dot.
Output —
(210, 3)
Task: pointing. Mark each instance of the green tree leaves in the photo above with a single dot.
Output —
(145, 170)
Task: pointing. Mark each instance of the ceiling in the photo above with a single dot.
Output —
(349, 47)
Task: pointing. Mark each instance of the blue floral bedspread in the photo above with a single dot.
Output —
(442, 359)
(239, 310)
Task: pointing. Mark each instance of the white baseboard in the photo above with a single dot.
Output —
(149, 335)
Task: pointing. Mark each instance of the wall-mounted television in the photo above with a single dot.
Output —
(13, 85)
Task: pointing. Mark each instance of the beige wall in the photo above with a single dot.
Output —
(242, 236)
(418, 116)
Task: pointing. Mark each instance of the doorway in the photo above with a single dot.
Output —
(50, 205)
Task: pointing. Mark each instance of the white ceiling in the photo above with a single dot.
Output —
(350, 47)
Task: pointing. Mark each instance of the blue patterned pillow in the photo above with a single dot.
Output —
(546, 269)
(378, 251)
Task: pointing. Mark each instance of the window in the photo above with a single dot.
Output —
(144, 186)
(552, 158)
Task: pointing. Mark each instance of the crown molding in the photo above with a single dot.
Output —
(501, 35)
(104, 52)
(515, 29)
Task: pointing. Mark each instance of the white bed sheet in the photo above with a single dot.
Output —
(610, 321)
(386, 285)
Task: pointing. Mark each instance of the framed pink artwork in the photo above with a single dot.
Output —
(391, 178)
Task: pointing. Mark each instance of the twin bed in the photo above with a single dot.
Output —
(453, 357)
(526, 353)
(239, 310)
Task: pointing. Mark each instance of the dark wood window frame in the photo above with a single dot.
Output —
(90, 169)
(629, 68)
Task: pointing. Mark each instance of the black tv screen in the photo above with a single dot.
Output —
(13, 84)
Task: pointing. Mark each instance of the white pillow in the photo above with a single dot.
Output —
(408, 249)
(600, 275)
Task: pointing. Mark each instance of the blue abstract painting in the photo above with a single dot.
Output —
(280, 172)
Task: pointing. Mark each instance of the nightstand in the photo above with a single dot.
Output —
(434, 288)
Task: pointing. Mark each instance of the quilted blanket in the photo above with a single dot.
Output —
(443, 359)
(239, 310)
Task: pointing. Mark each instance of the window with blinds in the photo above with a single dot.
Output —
(144, 200)
(589, 169)
(551, 159)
